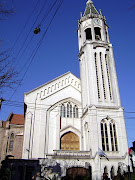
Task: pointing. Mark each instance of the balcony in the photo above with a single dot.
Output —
(72, 154)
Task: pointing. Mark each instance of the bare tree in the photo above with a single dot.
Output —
(4, 12)
(7, 73)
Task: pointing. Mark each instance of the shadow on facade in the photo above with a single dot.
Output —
(19, 169)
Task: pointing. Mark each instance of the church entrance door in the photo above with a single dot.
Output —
(70, 141)
(78, 173)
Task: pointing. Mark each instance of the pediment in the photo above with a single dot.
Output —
(57, 85)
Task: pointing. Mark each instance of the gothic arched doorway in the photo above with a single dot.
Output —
(69, 141)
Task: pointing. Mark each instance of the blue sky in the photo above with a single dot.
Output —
(58, 52)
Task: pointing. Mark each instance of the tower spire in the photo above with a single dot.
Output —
(90, 8)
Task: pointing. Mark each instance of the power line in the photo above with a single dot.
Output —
(25, 40)
(46, 107)
(31, 58)
(38, 104)
(12, 60)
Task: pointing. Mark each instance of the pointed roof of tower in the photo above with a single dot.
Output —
(90, 8)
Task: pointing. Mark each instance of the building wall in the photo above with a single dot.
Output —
(2, 134)
(42, 125)
(18, 141)
(5, 133)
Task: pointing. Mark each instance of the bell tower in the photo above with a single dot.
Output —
(103, 124)
(97, 66)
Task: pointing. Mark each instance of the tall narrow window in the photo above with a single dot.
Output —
(106, 136)
(75, 111)
(62, 111)
(11, 142)
(108, 75)
(113, 137)
(103, 80)
(106, 34)
(68, 110)
(111, 134)
(97, 33)
(88, 34)
(103, 136)
(96, 66)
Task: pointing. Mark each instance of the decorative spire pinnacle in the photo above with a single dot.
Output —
(90, 8)
(89, 1)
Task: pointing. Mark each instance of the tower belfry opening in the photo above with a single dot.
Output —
(97, 33)
(88, 34)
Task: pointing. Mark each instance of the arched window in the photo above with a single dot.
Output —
(102, 71)
(62, 111)
(106, 138)
(96, 66)
(88, 34)
(109, 137)
(113, 137)
(75, 112)
(11, 142)
(104, 135)
(68, 110)
(97, 33)
(108, 75)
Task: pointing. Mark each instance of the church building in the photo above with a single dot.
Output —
(75, 123)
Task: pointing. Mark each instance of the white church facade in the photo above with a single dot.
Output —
(68, 119)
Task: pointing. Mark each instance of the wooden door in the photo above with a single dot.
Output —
(77, 173)
(70, 141)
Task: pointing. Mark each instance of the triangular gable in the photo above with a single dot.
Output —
(56, 85)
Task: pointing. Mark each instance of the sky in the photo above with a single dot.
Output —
(58, 52)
